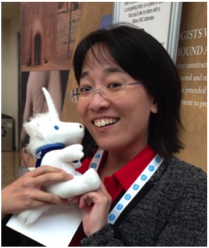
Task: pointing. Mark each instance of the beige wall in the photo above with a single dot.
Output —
(194, 114)
(9, 70)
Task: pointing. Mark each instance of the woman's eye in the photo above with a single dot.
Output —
(85, 89)
(115, 85)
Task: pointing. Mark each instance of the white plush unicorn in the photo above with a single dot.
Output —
(53, 143)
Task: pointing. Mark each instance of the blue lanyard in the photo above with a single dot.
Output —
(134, 189)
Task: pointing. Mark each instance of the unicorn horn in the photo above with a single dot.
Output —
(52, 110)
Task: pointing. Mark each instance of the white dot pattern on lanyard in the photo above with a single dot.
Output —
(135, 187)
(96, 159)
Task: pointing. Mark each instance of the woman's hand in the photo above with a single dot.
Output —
(25, 193)
(95, 208)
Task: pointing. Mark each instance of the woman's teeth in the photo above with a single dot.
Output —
(102, 123)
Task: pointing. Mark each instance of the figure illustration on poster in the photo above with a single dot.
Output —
(47, 45)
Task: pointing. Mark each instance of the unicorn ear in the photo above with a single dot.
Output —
(52, 109)
(28, 128)
(32, 128)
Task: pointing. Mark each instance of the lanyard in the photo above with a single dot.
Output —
(134, 189)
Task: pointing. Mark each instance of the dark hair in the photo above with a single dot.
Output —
(144, 59)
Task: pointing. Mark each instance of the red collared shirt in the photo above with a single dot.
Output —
(120, 180)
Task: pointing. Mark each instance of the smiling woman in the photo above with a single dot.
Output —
(127, 99)
(129, 96)
(127, 54)
(133, 125)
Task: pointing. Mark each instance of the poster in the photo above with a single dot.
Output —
(48, 34)
(192, 67)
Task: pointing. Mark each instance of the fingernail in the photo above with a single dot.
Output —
(67, 206)
(70, 176)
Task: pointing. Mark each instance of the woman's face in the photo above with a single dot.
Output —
(115, 124)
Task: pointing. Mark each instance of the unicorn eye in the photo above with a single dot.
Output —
(56, 127)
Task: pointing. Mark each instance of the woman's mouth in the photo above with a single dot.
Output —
(105, 122)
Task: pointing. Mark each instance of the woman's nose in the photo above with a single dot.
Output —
(97, 101)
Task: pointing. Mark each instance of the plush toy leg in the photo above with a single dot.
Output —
(28, 217)
(79, 185)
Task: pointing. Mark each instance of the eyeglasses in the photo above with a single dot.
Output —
(111, 91)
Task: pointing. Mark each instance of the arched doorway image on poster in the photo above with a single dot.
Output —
(48, 34)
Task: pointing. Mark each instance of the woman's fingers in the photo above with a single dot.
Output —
(40, 197)
(97, 196)
(45, 169)
(41, 176)
(26, 192)
(95, 207)
(51, 178)
(86, 200)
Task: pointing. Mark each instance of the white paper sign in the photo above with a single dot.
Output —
(160, 19)
(54, 228)
(154, 17)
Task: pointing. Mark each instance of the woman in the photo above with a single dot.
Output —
(129, 99)
(144, 120)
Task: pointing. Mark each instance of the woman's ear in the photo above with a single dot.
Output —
(154, 108)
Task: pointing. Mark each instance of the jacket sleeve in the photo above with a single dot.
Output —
(106, 236)
(187, 225)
